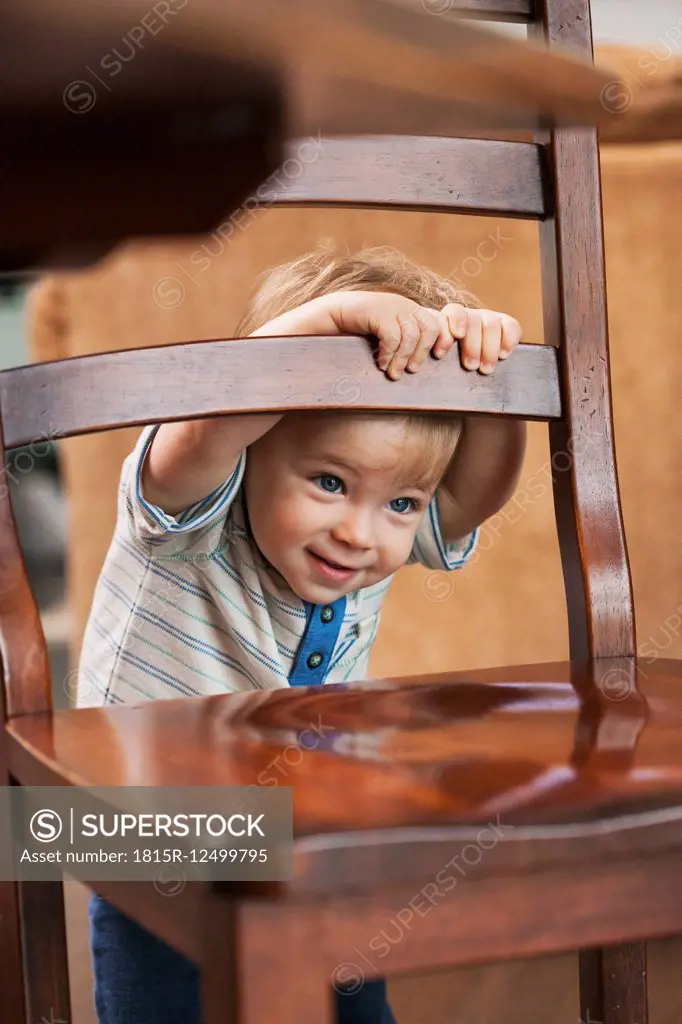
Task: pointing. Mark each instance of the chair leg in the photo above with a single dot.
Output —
(11, 964)
(258, 975)
(46, 965)
(34, 973)
(613, 985)
(287, 998)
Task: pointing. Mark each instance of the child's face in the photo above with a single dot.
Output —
(332, 500)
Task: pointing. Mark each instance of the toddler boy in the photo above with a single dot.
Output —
(255, 551)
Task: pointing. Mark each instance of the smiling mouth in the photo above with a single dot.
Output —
(334, 565)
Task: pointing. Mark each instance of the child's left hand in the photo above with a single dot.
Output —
(484, 336)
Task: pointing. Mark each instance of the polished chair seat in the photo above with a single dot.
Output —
(427, 761)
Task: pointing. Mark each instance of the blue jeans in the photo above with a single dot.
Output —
(141, 980)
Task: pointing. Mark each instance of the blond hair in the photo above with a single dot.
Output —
(381, 269)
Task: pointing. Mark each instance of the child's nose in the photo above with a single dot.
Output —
(355, 528)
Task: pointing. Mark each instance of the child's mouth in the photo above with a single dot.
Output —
(331, 570)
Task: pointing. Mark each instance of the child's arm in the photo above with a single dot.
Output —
(189, 460)
(483, 474)
(485, 469)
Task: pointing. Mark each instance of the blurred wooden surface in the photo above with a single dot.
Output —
(514, 993)
(647, 92)
(218, 86)
(385, 52)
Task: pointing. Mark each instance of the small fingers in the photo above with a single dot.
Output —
(445, 339)
(435, 339)
(389, 336)
(471, 344)
(458, 318)
(511, 335)
(408, 333)
(491, 339)
(407, 337)
(419, 331)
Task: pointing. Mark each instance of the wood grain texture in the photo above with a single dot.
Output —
(613, 982)
(112, 161)
(467, 175)
(75, 396)
(45, 962)
(430, 929)
(32, 935)
(553, 842)
(238, 995)
(221, 988)
(597, 579)
(494, 10)
(221, 87)
(648, 118)
(375, 44)
(589, 518)
(436, 929)
(24, 665)
(11, 965)
(487, 10)
(430, 761)
(122, 143)
(11, 954)
(600, 604)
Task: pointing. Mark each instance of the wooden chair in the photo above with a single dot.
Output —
(579, 763)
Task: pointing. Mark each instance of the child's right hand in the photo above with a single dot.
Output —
(406, 331)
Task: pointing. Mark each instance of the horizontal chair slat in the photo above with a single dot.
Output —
(477, 176)
(489, 10)
(47, 401)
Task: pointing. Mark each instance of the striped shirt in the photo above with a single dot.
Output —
(187, 606)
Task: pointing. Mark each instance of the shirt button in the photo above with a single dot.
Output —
(314, 660)
(327, 614)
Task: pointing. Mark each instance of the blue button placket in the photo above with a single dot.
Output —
(323, 625)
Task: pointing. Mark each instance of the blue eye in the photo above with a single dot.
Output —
(411, 505)
(329, 483)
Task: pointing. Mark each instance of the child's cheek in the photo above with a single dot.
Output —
(295, 514)
(403, 546)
